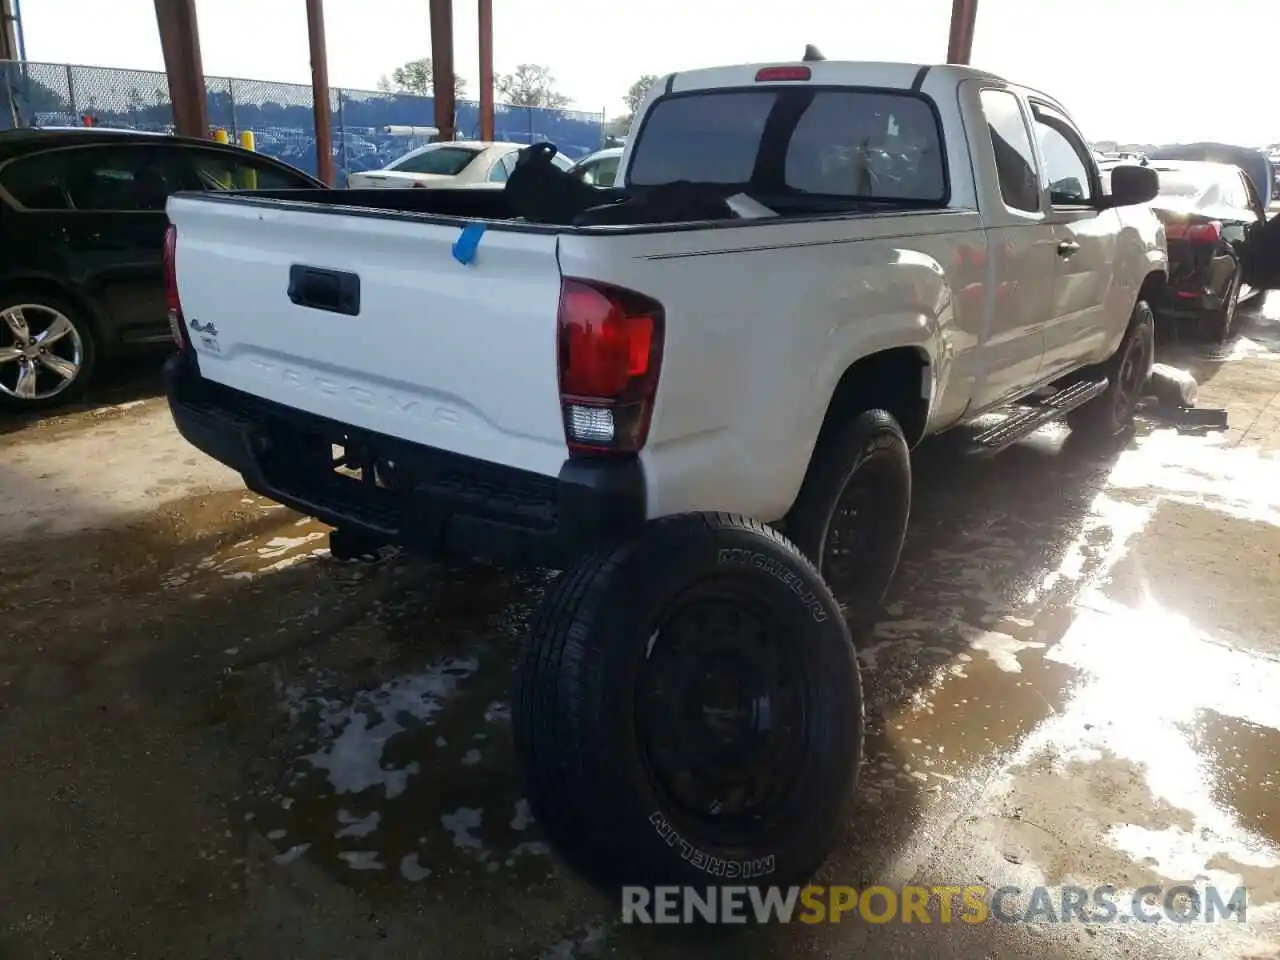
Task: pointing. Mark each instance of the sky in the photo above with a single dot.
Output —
(1128, 70)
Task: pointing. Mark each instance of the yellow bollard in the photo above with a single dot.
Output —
(250, 174)
(220, 136)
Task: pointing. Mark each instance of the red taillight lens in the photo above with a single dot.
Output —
(171, 301)
(610, 351)
(773, 74)
(1194, 232)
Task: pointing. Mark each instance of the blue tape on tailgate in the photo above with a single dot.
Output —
(464, 248)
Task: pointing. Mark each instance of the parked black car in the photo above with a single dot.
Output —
(81, 265)
(1209, 210)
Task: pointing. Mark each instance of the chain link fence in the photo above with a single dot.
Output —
(279, 114)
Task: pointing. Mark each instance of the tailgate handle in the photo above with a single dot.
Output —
(330, 290)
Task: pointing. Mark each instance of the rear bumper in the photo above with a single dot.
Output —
(439, 503)
(1188, 305)
(1198, 281)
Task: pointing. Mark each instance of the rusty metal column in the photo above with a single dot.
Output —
(180, 43)
(320, 90)
(442, 65)
(964, 14)
(8, 32)
(486, 69)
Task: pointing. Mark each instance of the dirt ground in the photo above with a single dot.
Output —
(218, 742)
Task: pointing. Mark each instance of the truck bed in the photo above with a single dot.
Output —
(441, 205)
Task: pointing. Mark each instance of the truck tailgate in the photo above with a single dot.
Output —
(457, 357)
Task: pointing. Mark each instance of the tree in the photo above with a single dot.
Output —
(632, 98)
(638, 91)
(530, 85)
(417, 76)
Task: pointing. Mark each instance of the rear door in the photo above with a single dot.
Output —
(103, 207)
(1085, 241)
(1253, 225)
(1234, 212)
(1019, 281)
(1260, 256)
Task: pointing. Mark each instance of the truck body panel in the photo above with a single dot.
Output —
(996, 292)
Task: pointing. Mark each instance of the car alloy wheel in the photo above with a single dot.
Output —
(41, 352)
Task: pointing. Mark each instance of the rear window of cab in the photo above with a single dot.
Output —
(837, 142)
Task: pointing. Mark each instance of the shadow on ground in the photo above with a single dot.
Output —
(117, 385)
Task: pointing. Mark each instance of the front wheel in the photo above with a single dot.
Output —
(1127, 373)
(688, 709)
(47, 352)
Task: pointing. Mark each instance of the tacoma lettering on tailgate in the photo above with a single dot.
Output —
(331, 386)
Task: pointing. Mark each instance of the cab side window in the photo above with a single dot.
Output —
(118, 179)
(1067, 168)
(606, 172)
(500, 171)
(226, 170)
(1253, 201)
(37, 182)
(1011, 142)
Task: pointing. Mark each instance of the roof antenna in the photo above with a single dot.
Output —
(812, 54)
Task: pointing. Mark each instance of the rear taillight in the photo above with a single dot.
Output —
(610, 352)
(177, 327)
(1194, 232)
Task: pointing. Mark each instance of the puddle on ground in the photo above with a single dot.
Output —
(409, 780)
(1112, 717)
(293, 542)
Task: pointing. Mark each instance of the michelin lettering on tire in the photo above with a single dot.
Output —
(712, 866)
(783, 572)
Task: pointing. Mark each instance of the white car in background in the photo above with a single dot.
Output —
(600, 169)
(453, 163)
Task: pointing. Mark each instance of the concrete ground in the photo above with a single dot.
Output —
(218, 742)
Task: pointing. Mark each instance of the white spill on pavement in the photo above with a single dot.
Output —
(1000, 648)
(292, 854)
(523, 816)
(412, 870)
(460, 823)
(362, 860)
(353, 736)
(353, 826)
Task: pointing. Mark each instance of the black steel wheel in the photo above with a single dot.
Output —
(688, 709)
(1127, 373)
(851, 514)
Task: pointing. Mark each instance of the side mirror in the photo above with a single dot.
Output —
(1131, 185)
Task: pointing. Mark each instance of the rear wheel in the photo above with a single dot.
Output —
(688, 709)
(850, 517)
(1215, 325)
(1127, 373)
(47, 352)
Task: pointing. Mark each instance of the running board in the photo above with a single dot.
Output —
(1037, 414)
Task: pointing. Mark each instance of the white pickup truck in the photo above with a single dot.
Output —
(941, 248)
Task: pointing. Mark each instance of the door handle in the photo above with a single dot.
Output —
(1067, 247)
